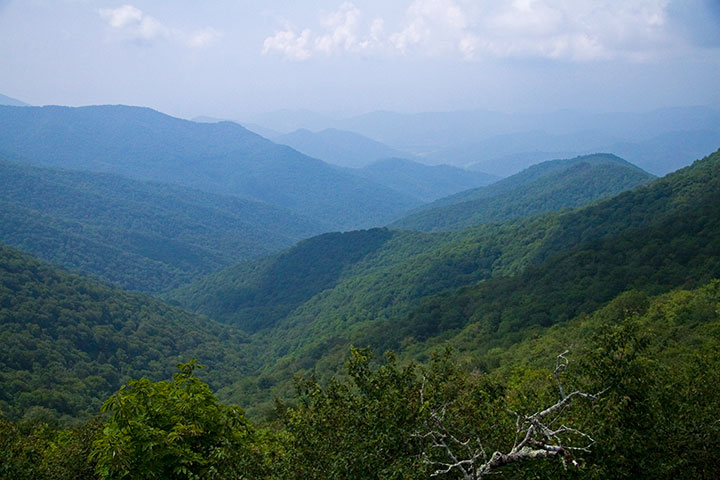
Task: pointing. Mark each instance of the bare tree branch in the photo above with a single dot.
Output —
(539, 438)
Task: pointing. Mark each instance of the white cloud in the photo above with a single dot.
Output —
(341, 31)
(575, 30)
(134, 25)
(290, 44)
(203, 38)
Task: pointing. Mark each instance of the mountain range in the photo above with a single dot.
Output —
(222, 158)
(659, 141)
(233, 233)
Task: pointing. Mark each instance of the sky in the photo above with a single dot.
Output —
(236, 58)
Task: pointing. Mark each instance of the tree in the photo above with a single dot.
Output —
(174, 430)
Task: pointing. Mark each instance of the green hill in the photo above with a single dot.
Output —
(651, 239)
(548, 186)
(68, 343)
(141, 236)
(222, 158)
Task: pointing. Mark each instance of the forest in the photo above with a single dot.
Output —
(635, 391)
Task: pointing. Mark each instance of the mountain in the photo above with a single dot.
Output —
(548, 186)
(668, 152)
(220, 158)
(490, 139)
(432, 131)
(286, 120)
(651, 239)
(346, 149)
(68, 343)
(424, 182)
(5, 100)
(481, 287)
(138, 235)
(508, 154)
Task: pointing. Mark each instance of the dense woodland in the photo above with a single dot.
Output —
(652, 361)
(526, 338)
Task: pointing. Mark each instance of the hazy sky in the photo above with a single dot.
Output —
(232, 58)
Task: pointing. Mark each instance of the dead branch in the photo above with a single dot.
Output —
(535, 437)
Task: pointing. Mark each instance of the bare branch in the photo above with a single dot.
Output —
(539, 438)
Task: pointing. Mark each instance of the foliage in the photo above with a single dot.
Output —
(31, 450)
(655, 359)
(174, 430)
(68, 342)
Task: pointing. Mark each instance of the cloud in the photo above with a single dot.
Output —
(134, 25)
(203, 38)
(567, 30)
(290, 44)
(340, 32)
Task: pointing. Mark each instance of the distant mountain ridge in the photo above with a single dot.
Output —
(424, 182)
(343, 148)
(486, 139)
(551, 185)
(5, 100)
(216, 157)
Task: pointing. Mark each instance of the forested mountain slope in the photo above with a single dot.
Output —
(139, 235)
(68, 342)
(418, 289)
(423, 182)
(650, 239)
(217, 157)
(548, 186)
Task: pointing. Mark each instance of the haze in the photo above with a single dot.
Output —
(236, 58)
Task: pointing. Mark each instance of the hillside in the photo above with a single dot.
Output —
(338, 147)
(141, 236)
(548, 186)
(220, 158)
(423, 182)
(499, 281)
(651, 239)
(68, 343)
